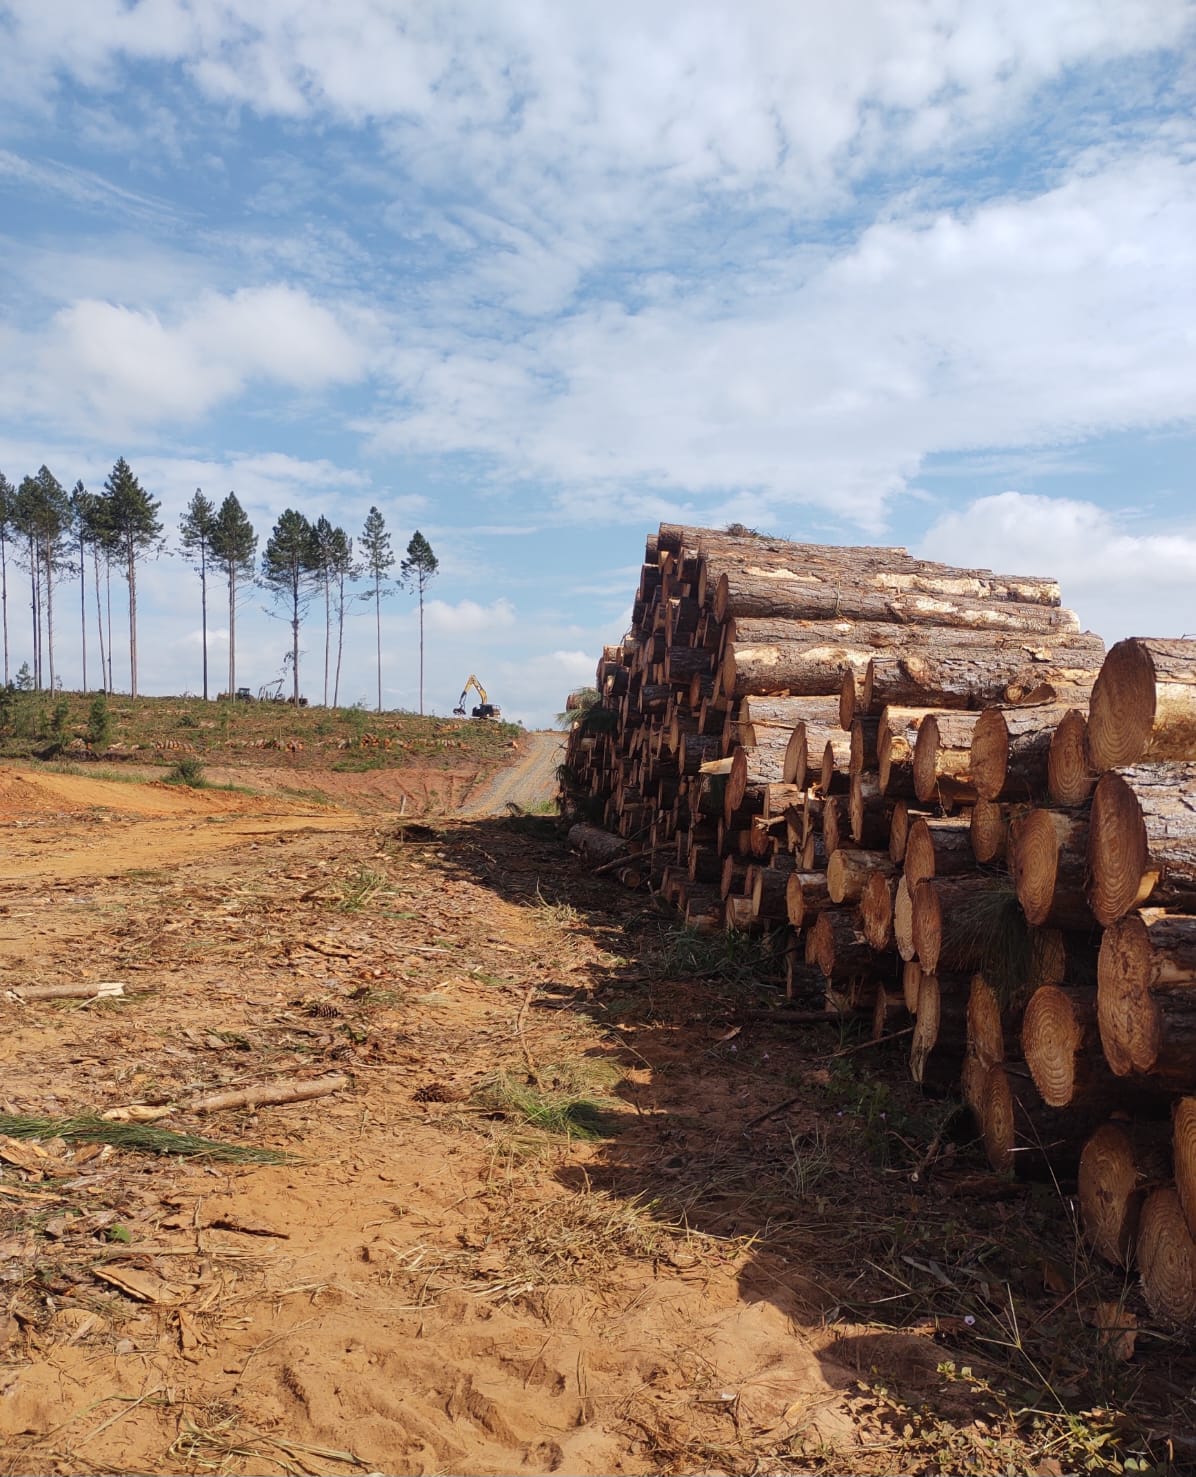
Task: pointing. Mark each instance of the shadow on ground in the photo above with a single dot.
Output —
(956, 1309)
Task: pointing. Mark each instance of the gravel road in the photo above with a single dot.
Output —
(528, 782)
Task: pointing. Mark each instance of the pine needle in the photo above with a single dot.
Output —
(144, 1137)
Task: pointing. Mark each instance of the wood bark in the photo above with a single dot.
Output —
(1023, 1136)
(269, 1094)
(990, 673)
(594, 844)
(1011, 750)
(1142, 839)
(769, 892)
(1049, 864)
(805, 758)
(787, 712)
(790, 594)
(752, 767)
(1146, 996)
(1144, 704)
(896, 741)
(1183, 1140)
(1070, 776)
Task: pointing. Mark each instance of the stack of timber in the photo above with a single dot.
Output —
(947, 803)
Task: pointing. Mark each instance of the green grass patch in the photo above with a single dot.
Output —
(145, 1138)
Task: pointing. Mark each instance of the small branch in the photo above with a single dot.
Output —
(91, 990)
(268, 1095)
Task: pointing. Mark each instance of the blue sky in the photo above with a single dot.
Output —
(533, 276)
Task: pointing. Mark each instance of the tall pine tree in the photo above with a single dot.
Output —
(195, 540)
(419, 567)
(377, 561)
(324, 539)
(342, 571)
(132, 516)
(234, 547)
(7, 495)
(80, 501)
(287, 573)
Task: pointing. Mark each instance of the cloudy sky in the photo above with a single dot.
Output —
(531, 276)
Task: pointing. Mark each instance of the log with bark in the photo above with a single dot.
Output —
(1146, 996)
(896, 741)
(839, 947)
(943, 758)
(1049, 863)
(800, 594)
(1011, 751)
(959, 922)
(806, 894)
(806, 757)
(752, 767)
(990, 672)
(269, 1094)
(1183, 1141)
(849, 870)
(1144, 704)
(1061, 1044)
(768, 891)
(938, 846)
(903, 923)
(594, 844)
(1142, 839)
(1023, 1136)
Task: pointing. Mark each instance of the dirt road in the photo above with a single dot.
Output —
(526, 784)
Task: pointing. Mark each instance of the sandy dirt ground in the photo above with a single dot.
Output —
(531, 781)
(440, 1278)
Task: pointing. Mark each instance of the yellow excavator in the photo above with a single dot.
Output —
(484, 709)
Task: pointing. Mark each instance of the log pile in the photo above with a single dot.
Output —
(943, 799)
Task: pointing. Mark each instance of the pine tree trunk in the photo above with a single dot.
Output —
(83, 609)
(232, 633)
(340, 639)
(327, 631)
(35, 606)
(132, 576)
(50, 616)
(203, 604)
(421, 651)
(294, 637)
(378, 629)
(95, 565)
(108, 591)
(4, 601)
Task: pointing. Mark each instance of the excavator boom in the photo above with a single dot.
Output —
(485, 709)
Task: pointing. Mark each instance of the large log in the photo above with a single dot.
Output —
(1117, 1167)
(594, 844)
(940, 1028)
(896, 741)
(1144, 704)
(800, 594)
(1142, 839)
(1023, 1136)
(956, 920)
(1184, 1157)
(1061, 1044)
(1070, 776)
(805, 761)
(943, 758)
(993, 672)
(806, 894)
(938, 846)
(848, 872)
(753, 767)
(1049, 863)
(786, 712)
(839, 947)
(868, 812)
(1146, 996)
(1167, 1259)
(1011, 750)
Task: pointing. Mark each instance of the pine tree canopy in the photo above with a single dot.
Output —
(234, 543)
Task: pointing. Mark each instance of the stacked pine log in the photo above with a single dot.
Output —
(946, 802)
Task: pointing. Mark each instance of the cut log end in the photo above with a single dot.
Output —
(1069, 774)
(1052, 1034)
(1110, 1201)
(1167, 1260)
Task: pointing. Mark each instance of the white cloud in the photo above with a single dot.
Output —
(132, 367)
(1119, 582)
(468, 616)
